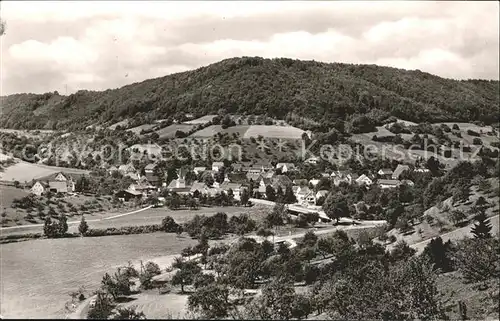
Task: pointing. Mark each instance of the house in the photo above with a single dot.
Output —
(285, 167)
(312, 160)
(281, 181)
(112, 169)
(237, 167)
(179, 186)
(39, 188)
(254, 176)
(400, 170)
(300, 182)
(268, 175)
(407, 182)
(151, 177)
(322, 194)
(216, 166)
(305, 196)
(388, 183)
(143, 187)
(236, 188)
(364, 180)
(325, 175)
(126, 195)
(314, 182)
(199, 169)
(126, 169)
(57, 183)
(264, 165)
(199, 187)
(385, 172)
(59, 187)
(341, 177)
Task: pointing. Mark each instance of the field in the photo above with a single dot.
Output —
(37, 276)
(286, 132)
(169, 131)
(25, 172)
(202, 120)
(215, 129)
(137, 130)
(246, 131)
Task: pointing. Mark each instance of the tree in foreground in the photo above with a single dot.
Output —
(128, 314)
(186, 273)
(482, 228)
(477, 259)
(83, 227)
(211, 301)
(103, 307)
(245, 196)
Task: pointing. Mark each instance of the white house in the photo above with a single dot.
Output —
(199, 169)
(38, 188)
(341, 176)
(312, 160)
(285, 167)
(314, 182)
(364, 180)
(217, 165)
(388, 183)
(385, 172)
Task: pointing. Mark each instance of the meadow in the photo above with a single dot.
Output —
(169, 131)
(37, 276)
(25, 172)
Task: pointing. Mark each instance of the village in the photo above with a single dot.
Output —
(242, 181)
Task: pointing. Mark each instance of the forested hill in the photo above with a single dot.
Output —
(320, 91)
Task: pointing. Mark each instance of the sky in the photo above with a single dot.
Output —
(96, 45)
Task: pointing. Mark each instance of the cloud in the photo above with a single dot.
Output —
(100, 45)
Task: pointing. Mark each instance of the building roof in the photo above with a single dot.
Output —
(152, 178)
(135, 193)
(288, 165)
(177, 183)
(198, 186)
(218, 164)
(126, 168)
(303, 191)
(281, 180)
(363, 178)
(300, 181)
(322, 193)
(199, 169)
(385, 171)
(237, 166)
(150, 167)
(390, 182)
(228, 185)
(399, 170)
(59, 186)
(254, 176)
(314, 181)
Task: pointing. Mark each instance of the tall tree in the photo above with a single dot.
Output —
(83, 227)
(482, 228)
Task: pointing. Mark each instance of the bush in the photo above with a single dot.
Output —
(477, 141)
